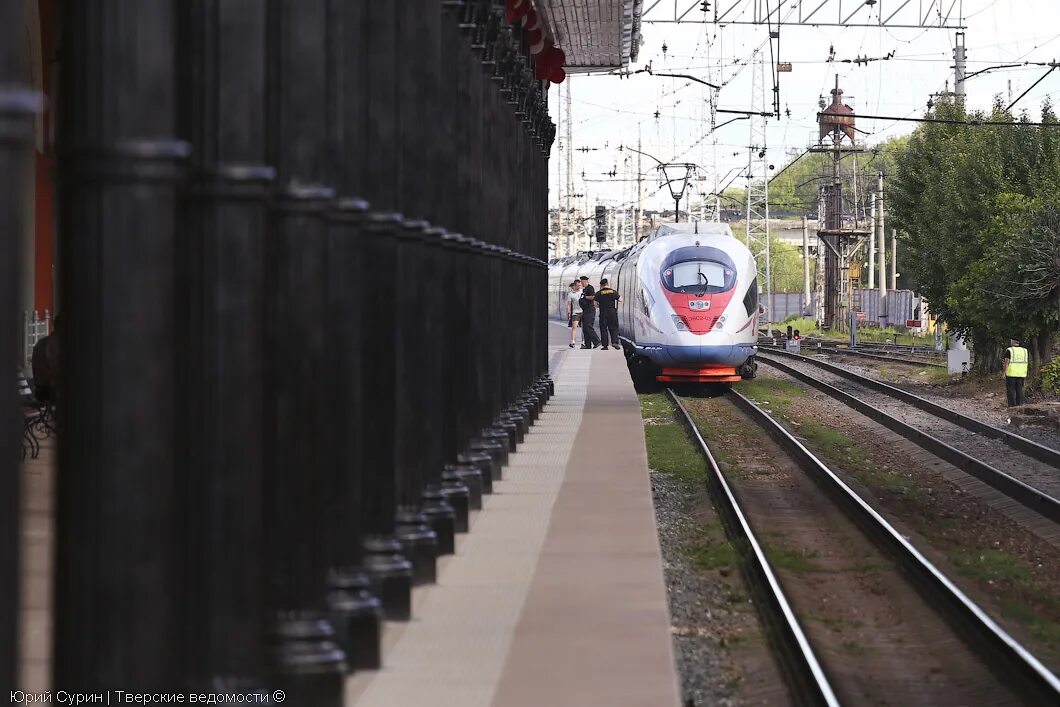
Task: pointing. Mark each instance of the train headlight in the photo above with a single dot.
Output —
(679, 322)
(720, 323)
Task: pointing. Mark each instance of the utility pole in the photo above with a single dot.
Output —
(571, 249)
(872, 246)
(894, 259)
(561, 231)
(640, 193)
(717, 196)
(881, 248)
(959, 67)
(805, 266)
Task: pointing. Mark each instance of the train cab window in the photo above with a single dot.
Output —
(698, 277)
(750, 300)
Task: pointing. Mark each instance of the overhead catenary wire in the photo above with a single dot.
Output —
(1044, 76)
(951, 121)
(892, 107)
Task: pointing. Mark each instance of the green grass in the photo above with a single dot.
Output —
(833, 622)
(670, 451)
(669, 448)
(936, 375)
(777, 395)
(656, 405)
(711, 551)
(714, 429)
(1042, 628)
(1013, 575)
(991, 566)
(1025, 601)
(786, 558)
(840, 449)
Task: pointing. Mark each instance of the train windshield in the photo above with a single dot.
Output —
(698, 277)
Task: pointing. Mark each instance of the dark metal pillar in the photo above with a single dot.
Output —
(117, 579)
(220, 261)
(306, 661)
(356, 612)
(381, 178)
(17, 107)
(434, 302)
(413, 388)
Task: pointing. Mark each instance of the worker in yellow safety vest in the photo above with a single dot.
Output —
(1015, 372)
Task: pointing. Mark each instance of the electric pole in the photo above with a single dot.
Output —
(561, 231)
(570, 171)
(872, 245)
(894, 259)
(640, 193)
(805, 266)
(959, 67)
(881, 250)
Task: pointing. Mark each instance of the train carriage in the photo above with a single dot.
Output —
(689, 307)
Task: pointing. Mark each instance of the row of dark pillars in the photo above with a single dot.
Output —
(302, 279)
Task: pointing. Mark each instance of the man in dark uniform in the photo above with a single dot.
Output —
(590, 340)
(607, 300)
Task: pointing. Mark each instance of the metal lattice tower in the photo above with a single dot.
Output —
(757, 216)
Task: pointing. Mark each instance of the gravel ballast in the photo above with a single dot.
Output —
(721, 655)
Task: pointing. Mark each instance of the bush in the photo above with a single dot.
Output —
(1051, 376)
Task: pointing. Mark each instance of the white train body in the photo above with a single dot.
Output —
(689, 308)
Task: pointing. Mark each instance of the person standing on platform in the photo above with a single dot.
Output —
(1015, 372)
(45, 364)
(574, 310)
(590, 340)
(607, 300)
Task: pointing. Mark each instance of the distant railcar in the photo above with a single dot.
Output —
(689, 308)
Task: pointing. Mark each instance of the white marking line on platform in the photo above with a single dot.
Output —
(454, 650)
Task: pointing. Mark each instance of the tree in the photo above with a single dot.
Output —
(975, 204)
(1027, 268)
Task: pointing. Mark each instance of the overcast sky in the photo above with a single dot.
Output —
(608, 110)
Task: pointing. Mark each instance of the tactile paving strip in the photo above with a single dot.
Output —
(453, 651)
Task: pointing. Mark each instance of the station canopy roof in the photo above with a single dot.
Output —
(594, 34)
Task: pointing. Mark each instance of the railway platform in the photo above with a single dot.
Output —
(556, 596)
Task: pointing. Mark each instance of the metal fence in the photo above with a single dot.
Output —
(292, 417)
(901, 306)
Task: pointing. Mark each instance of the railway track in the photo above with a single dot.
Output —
(1022, 469)
(801, 665)
(811, 679)
(861, 353)
(877, 347)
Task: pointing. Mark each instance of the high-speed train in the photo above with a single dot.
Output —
(689, 302)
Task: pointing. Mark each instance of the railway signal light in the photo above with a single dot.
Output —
(601, 224)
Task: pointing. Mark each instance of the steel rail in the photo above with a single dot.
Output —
(1017, 442)
(885, 347)
(805, 675)
(1034, 499)
(885, 357)
(867, 354)
(1014, 665)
